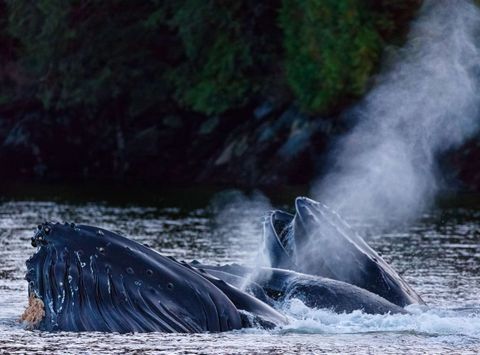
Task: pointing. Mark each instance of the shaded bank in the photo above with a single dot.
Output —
(246, 147)
(273, 147)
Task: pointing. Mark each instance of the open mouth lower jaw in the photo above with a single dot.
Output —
(35, 311)
(39, 293)
(31, 275)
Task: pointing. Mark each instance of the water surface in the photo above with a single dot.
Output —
(439, 255)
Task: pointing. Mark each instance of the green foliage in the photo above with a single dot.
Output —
(212, 78)
(89, 52)
(208, 56)
(223, 57)
(332, 48)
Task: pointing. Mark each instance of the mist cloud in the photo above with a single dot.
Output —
(424, 104)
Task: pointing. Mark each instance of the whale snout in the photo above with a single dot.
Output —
(302, 202)
(49, 232)
(306, 209)
(44, 233)
(40, 236)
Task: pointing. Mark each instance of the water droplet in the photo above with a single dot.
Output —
(170, 286)
(149, 272)
(100, 233)
(138, 283)
(130, 271)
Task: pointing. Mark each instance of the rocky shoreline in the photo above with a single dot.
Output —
(264, 146)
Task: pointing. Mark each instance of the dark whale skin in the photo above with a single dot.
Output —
(314, 291)
(321, 243)
(256, 305)
(90, 279)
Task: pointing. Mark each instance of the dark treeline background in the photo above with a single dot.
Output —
(190, 91)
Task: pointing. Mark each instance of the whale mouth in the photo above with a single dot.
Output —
(278, 244)
(90, 279)
(283, 228)
(286, 230)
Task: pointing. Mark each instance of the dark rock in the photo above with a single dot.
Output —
(173, 121)
(263, 110)
(247, 147)
(270, 151)
(209, 125)
(144, 143)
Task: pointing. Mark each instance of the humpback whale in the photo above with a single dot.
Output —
(314, 291)
(90, 279)
(317, 241)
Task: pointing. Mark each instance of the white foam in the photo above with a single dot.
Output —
(422, 320)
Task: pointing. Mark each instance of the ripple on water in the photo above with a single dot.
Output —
(439, 255)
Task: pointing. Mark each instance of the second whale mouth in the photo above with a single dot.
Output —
(290, 235)
(281, 222)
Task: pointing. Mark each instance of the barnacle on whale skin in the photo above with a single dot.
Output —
(34, 312)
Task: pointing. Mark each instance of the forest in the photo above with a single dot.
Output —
(249, 93)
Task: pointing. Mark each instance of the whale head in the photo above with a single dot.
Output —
(91, 279)
(317, 241)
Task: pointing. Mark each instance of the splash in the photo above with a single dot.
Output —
(239, 213)
(424, 104)
(421, 320)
